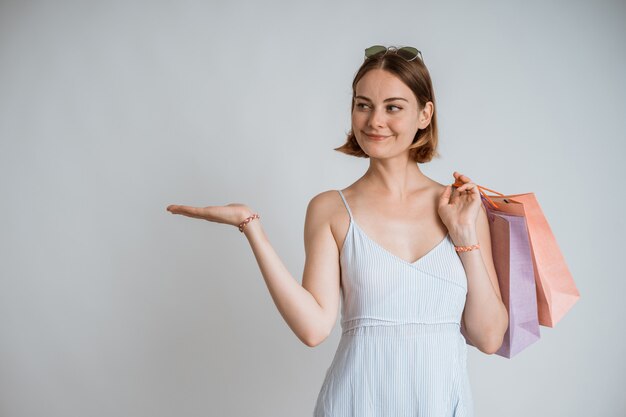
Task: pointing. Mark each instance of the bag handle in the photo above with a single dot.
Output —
(458, 183)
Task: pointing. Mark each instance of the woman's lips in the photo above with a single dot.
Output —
(376, 137)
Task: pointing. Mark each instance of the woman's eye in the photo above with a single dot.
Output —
(390, 107)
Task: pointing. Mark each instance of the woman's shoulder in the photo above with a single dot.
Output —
(324, 204)
(326, 209)
(437, 187)
(324, 197)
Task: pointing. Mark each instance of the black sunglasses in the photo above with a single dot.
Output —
(407, 52)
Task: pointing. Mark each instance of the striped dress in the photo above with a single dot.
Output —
(401, 351)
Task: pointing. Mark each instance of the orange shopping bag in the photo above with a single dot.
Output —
(556, 290)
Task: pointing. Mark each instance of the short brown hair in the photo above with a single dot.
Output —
(416, 76)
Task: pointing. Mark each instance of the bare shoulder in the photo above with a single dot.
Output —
(324, 201)
(322, 208)
(326, 210)
(436, 188)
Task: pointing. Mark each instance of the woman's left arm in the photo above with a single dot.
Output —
(485, 316)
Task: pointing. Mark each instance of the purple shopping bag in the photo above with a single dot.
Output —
(512, 258)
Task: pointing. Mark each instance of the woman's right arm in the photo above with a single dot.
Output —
(310, 309)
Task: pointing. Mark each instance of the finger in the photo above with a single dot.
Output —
(175, 208)
(469, 186)
(461, 177)
(444, 198)
(465, 178)
(186, 211)
(457, 182)
(454, 198)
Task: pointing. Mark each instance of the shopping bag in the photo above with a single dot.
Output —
(556, 290)
(513, 262)
(512, 259)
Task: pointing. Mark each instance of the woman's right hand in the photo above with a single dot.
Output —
(233, 213)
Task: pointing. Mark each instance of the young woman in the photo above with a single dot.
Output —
(409, 257)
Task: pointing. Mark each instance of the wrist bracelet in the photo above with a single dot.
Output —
(247, 220)
(466, 248)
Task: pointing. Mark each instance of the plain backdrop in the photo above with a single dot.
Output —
(111, 111)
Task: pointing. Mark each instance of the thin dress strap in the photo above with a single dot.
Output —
(345, 203)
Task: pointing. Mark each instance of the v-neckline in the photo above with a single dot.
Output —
(354, 224)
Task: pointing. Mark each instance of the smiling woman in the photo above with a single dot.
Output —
(408, 258)
(413, 82)
(404, 265)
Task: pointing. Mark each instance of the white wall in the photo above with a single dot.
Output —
(111, 111)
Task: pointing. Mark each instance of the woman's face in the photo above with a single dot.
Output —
(385, 116)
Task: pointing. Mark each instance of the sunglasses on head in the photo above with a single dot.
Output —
(407, 52)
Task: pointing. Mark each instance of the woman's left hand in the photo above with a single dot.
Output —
(459, 208)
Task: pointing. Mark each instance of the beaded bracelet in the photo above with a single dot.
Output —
(247, 220)
(466, 248)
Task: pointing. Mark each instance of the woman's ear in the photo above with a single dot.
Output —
(425, 115)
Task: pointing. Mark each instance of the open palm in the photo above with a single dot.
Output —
(233, 213)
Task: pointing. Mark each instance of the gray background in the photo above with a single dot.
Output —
(110, 111)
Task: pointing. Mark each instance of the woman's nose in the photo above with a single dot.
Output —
(376, 118)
